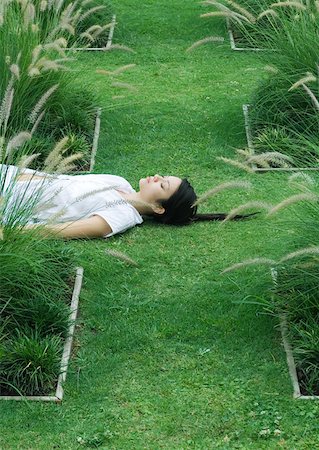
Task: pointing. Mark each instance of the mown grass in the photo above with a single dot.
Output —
(166, 357)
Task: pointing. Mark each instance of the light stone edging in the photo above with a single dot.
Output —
(66, 350)
(233, 43)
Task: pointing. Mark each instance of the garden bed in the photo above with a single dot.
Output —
(234, 37)
(250, 145)
(108, 45)
(57, 397)
(299, 392)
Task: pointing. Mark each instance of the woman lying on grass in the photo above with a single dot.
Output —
(92, 205)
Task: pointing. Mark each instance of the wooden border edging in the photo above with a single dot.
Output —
(233, 43)
(96, 49)
(250, 145)
(289, 355)
(66, 349)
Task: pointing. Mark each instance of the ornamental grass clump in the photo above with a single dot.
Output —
(29, 363)
(36, 82)
(247, 19)
(294, 292)
(285, 105)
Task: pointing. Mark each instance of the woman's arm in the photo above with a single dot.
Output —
(92, 227)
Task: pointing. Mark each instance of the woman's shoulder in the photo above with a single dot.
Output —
(118, 182)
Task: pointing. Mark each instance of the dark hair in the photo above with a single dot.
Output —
(180, 209)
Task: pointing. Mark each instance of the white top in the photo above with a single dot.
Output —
(65, 198)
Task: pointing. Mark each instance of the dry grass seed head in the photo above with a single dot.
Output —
(121, 256)
(250, 262)
(242, 11)
(267, 12)
(310, 197)
(26, 160)
(307, 79)
(277, 158)
(54, 157)
(118, 47)
(205, 41)
(252, 204)
(289, 3)
(39, 105)
(235, 163)
(121, 85)
(232, 15)
(17, 141)
(309, 251)
(222, 187)
(301, 177)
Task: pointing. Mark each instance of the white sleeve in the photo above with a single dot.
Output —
(119, 217)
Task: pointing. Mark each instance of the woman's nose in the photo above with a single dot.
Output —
(157, 177)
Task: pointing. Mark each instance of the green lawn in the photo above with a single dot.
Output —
(166, 356)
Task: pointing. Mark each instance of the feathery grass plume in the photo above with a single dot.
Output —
(90, 11)
(229, 14)
(121, 69)
(88, 36)
(245, 152)
(222, 187)
(248, 205)
(312, 96)
(242, 11)
(307, 79)
(17, 141)
(250, 262)
(292, 4)
(66, 165)
(309, 197)
(29, 14)
(15, 70)
(7, 109)
(127, 86)
(34, 113)
(26, 160)
(271, 69)
(55, 156)
(36, 54)
(49, 64)
(235, 163)
(270, 157)
(205, 41)
(267, 12)
(43, 5)
(301, 177)
(118, 47)
(302, 252)
(116, 71)
(36, 123)
(121, 256)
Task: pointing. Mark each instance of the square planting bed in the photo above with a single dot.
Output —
(108, 45)
(289, 355)
(250, 146)
(232, 40)
(57, 397)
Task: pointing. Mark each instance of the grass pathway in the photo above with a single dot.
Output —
(166, 358)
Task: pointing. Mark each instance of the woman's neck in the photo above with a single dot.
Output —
(135, 200)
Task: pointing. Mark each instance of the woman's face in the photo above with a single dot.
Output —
(158, 187)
